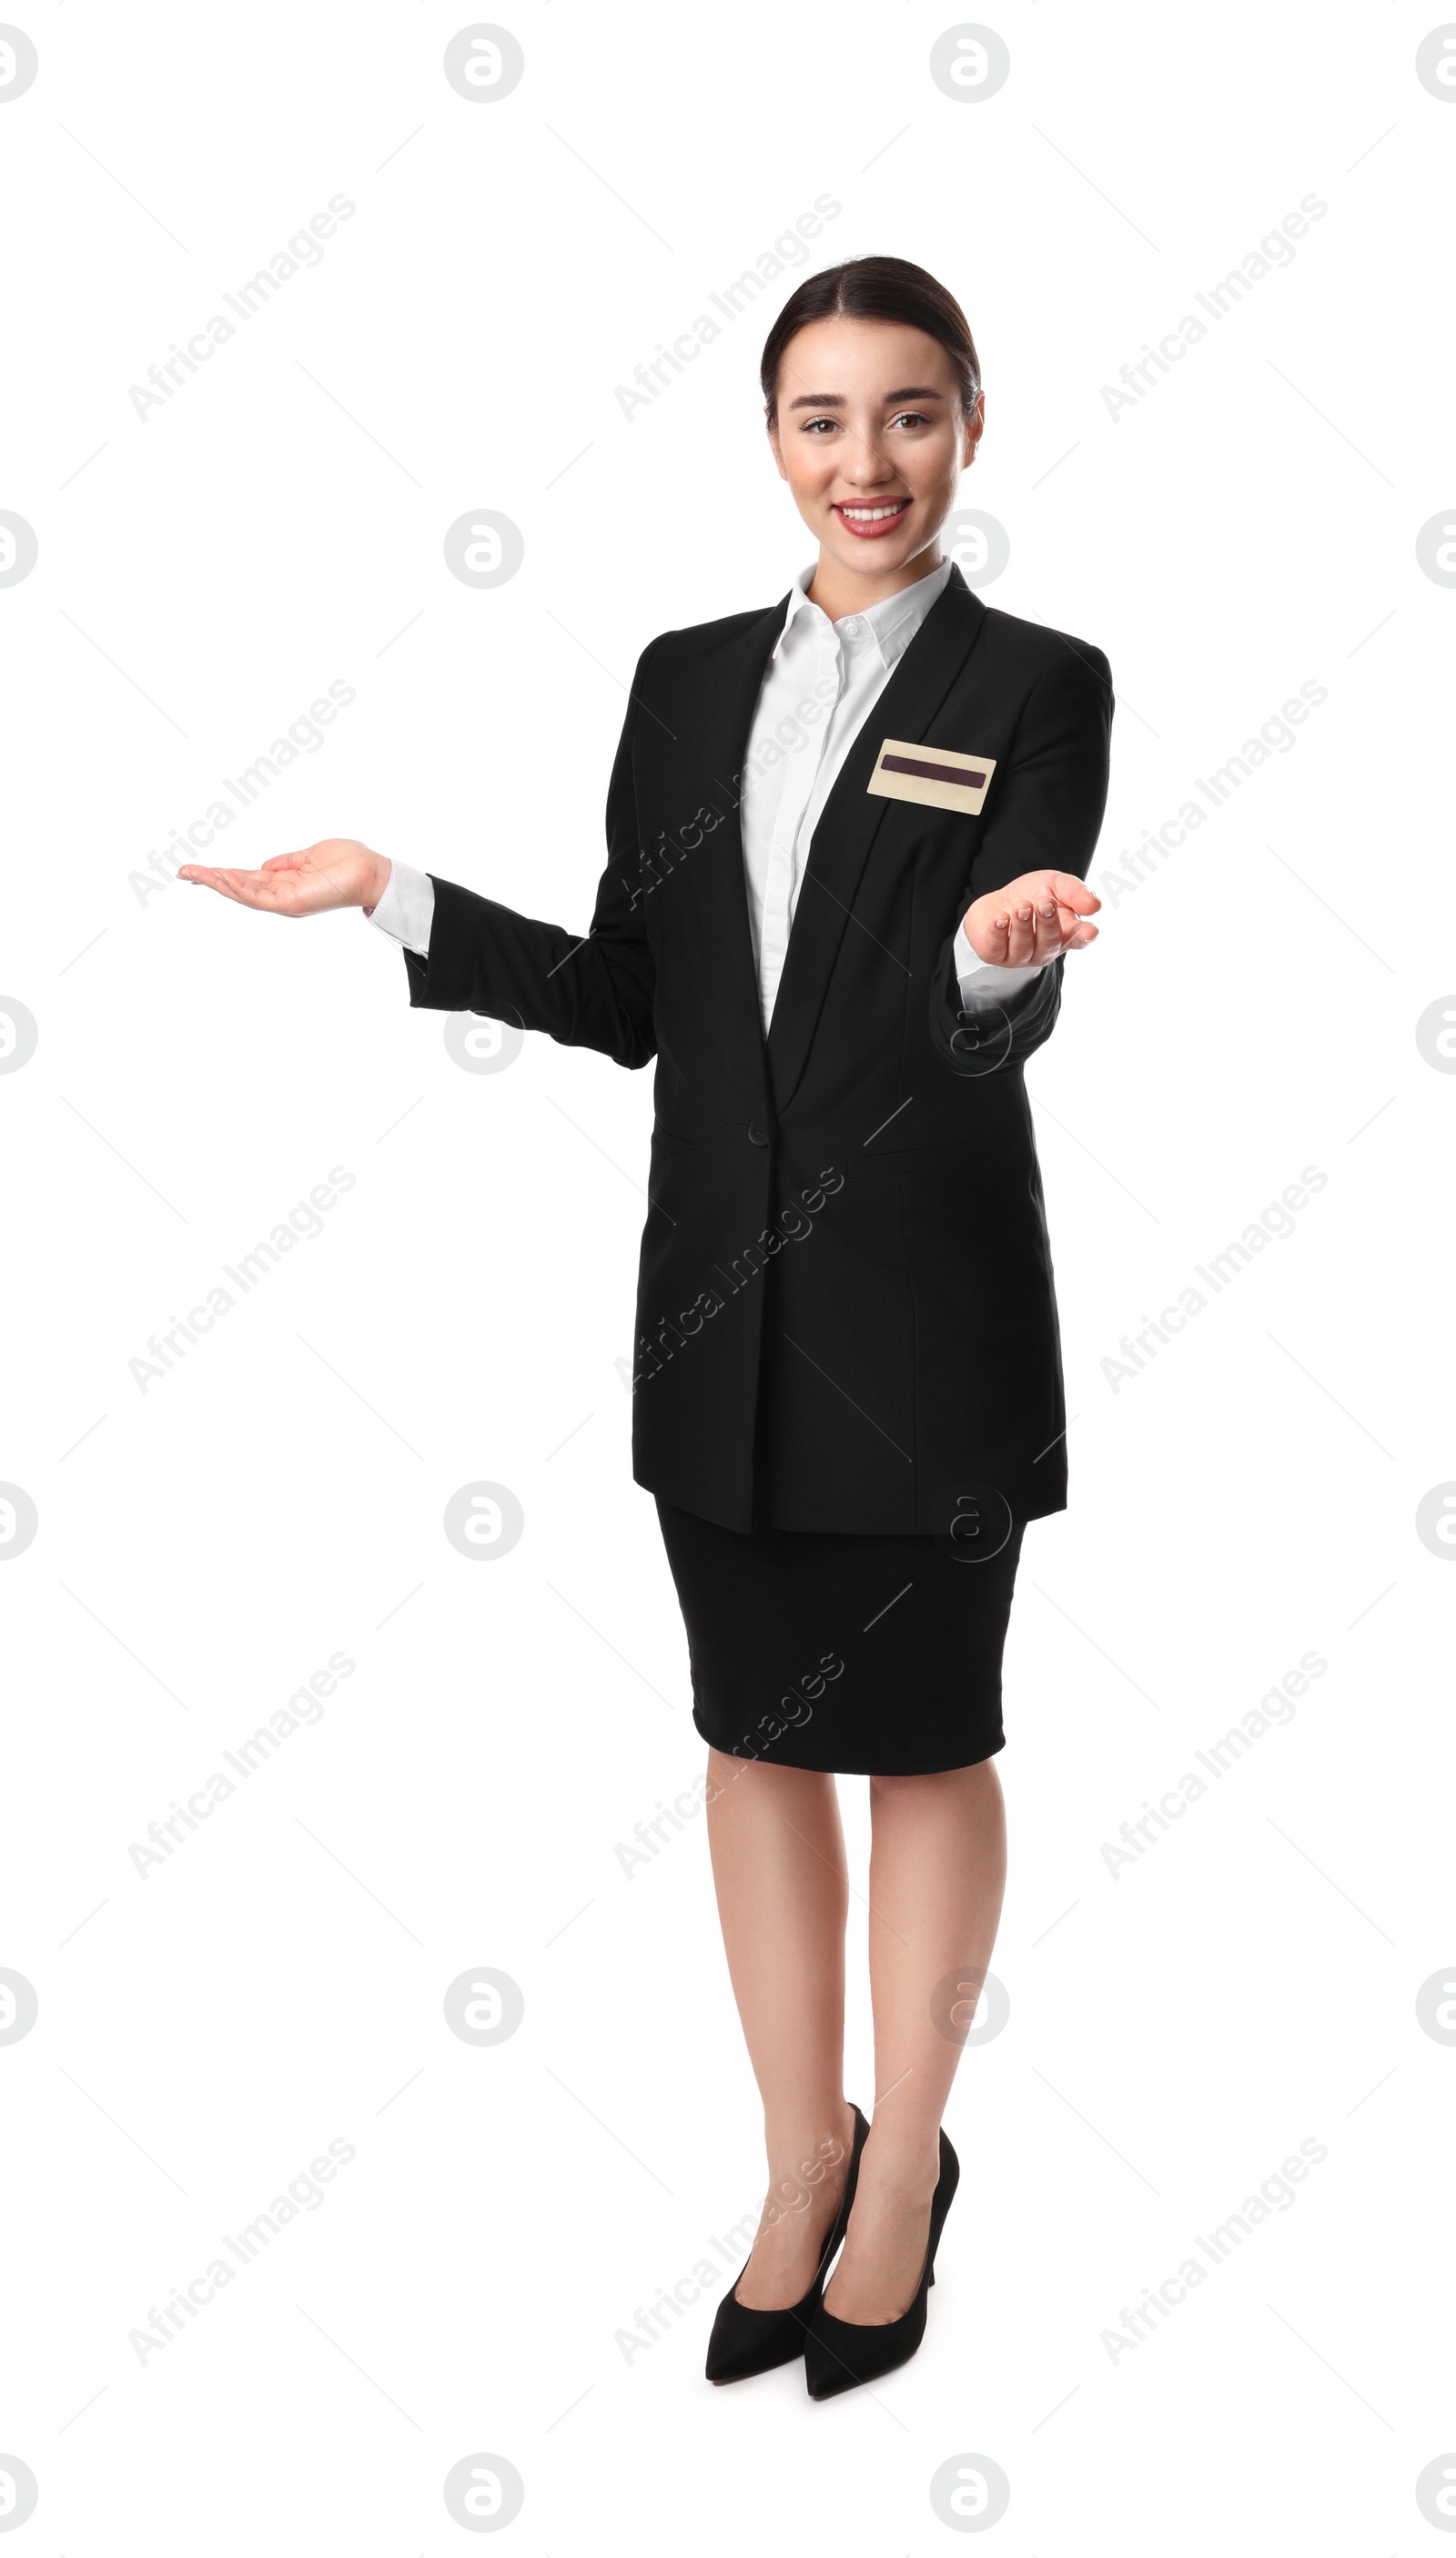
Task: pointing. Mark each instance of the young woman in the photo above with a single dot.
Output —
(848, 840)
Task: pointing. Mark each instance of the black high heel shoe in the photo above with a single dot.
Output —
(746, 2341)
(840, 2355)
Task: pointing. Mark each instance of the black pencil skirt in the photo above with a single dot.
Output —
(864, 1655)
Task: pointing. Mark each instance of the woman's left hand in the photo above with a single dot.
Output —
(1032, 920)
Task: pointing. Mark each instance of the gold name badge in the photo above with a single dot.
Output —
(935, 777)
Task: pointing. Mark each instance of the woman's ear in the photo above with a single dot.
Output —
(974, 426)
(772, 435)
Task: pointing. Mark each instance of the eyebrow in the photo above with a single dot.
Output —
(832, 399)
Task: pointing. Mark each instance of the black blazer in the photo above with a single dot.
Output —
(845, 1311)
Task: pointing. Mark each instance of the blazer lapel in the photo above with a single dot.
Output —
(720, 753)
(849, 820)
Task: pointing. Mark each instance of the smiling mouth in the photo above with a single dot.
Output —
(871, 520)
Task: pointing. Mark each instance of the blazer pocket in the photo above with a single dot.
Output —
(671, 1144)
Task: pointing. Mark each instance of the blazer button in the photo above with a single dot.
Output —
(758, 1134)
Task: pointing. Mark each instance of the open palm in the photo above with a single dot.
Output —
(314, 882)
(1032, 920)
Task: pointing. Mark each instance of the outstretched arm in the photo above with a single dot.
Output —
(592, 989)
(1028, 901)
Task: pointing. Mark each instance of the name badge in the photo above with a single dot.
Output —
(935, 777)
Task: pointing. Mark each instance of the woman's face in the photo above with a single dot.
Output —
(872, 439)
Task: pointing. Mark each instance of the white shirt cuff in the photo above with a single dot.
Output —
(407, 907)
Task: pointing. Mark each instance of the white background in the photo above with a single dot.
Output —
(1249, 1983)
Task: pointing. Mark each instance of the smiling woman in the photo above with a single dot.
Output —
(845, 326)
(881, 800)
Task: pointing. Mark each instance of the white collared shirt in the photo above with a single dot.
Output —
(820, 686)
(821, 682)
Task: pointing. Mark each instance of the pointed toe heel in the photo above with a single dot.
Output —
(838, 2355)
(746, 2341)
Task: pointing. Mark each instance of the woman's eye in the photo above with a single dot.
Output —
(812, 424)
(911, 417)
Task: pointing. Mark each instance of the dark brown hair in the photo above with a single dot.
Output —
(874, 288)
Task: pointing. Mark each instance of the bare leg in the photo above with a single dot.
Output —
(937, 1871)
(778, 1870)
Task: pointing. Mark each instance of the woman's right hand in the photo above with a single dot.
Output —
(328, 875)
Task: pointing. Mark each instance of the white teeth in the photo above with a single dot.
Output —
(872, 514)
